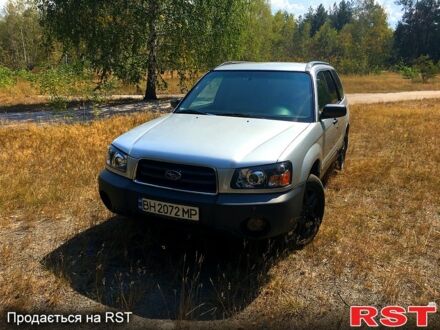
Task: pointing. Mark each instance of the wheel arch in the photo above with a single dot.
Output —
(312, 162)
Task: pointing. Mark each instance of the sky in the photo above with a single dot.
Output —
(299, 7)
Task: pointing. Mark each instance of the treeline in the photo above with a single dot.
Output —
(355, 37)
(139, 39)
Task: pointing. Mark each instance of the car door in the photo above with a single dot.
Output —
(327, 94)
(342, 121)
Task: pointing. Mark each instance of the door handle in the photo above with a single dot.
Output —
(335, 121)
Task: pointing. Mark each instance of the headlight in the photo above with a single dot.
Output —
(263, 177)
(116, 159)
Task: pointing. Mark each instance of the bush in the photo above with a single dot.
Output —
(25, 75)
(408, 72)
(7, 77)
(66, 81)
(426, 67)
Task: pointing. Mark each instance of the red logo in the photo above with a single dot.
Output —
(390, 316)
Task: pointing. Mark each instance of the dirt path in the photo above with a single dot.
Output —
(162, 105)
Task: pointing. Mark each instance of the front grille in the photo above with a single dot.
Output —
(192, 178)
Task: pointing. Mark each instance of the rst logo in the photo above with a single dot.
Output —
(390, 316)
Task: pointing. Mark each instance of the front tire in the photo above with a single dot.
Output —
(312, 211)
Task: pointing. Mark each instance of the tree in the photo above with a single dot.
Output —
(302, 41)
(341, 14)
(371, 35)
(426, 67)
(283, 29)
(325, 43)
(20, 36)
(317, 18)
(256, 34)
(418, 33)
(135, 38)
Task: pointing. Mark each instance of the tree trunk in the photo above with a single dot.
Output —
(150, 91)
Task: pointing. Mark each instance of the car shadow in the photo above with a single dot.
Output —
(165, 271)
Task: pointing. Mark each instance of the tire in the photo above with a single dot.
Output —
(340, 162)
(312, 211)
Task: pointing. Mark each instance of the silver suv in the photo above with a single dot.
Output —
(244, 151)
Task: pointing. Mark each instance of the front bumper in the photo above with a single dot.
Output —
(225, 212)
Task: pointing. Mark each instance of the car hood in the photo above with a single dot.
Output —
(217, 141)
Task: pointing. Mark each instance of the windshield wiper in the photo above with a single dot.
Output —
(193, 112)
(237, 114)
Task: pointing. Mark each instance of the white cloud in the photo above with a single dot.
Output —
(393, 11)
(289, 6)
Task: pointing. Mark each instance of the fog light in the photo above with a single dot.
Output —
(256, 224)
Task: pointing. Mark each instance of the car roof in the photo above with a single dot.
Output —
(269, 66)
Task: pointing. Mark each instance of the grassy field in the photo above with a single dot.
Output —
(60, 250)
(386, 82)
(24, 93)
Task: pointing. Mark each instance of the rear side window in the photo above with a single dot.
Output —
(338, 84)
(327, 93)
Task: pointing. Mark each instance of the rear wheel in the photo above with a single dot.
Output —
(312, 211)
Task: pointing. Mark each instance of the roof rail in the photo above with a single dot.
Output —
(232, 62)
(313, 63)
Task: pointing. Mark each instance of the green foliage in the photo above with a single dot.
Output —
(128, 38)
(10, 77)
(7, 77)
(66, 81)
(283, 29)
(257, 34)
(355, 37)
(317, 18)
(325, 43)
(409, 72)
(341, 14)
(426, 67)
(418, 33)
(21, 44)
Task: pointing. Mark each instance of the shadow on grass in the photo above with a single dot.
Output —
(160, 271)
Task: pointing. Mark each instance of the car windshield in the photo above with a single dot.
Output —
(277, 95)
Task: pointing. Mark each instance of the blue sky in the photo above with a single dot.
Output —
(299, 7)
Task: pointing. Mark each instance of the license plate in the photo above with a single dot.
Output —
(169, 209)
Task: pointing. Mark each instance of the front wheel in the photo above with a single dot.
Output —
(312, 211)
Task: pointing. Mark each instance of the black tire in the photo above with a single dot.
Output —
(340, 162)
(312, 212)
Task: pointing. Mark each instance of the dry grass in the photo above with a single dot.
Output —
(385, 82)
(21, 93)
(378, 244)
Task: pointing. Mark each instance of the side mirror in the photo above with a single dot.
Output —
(175, 102)
(333, 111)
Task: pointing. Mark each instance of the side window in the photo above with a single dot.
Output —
(331, 87)
(327, 93)
(338, 84)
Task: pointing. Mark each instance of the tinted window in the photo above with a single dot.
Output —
(327, 93)
(267, 94)
(338, 84)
